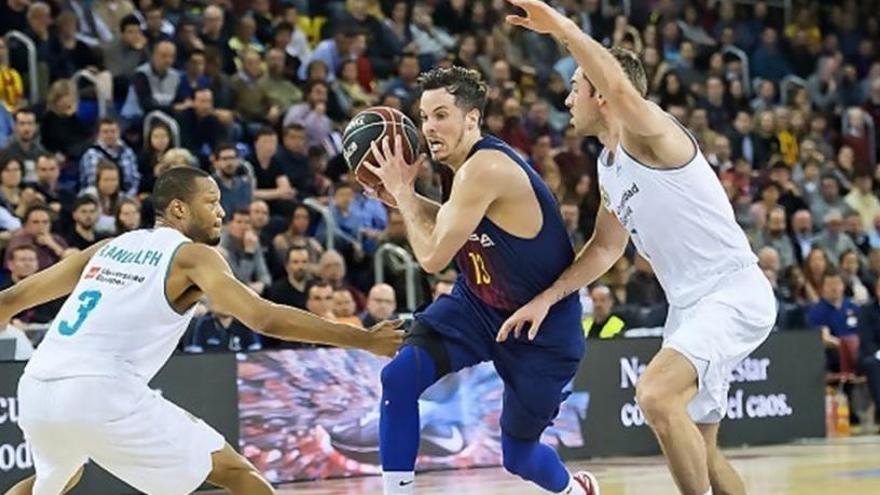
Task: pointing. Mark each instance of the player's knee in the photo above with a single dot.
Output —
(655, 405)
(400, 377)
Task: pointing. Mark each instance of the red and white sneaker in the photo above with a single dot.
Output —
(588, 482)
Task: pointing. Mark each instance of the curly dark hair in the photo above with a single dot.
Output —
(466, 85)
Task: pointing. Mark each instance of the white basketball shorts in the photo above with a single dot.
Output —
(719, 331)
(119, 423)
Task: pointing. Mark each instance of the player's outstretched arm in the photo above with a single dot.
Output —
(638, 115)
(597, 256)
(207, 269)
(56, 281)
(475, 186)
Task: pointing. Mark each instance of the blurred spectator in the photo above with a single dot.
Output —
(236, 191)
(869, 342)
(405, 85)
(381, 305)
(768, 61)
(769, 263)
(854, 229)
(124, 54)
(832, 239)
(344, 308)
(835, 316)
(814, 267)
(320, 299)
(13, 15)
(213, 36)
(244, 39)
(36, 231)
(432, 42)
(822, 85)
(156, 29)
(602, 324)
(312, 114)
(201, 130)
(241, 247)
(297, 235)
(85, 216)
(25, 146)
(112, 12)
(572, 161)
(863, 200)
(775, 235)
(193, 76)
(58, 198)
(68, 53)
(252, 102)
(293, 161)
(802, 234)
(106, 192)
(6, 126)
(11, 187)
(61, 130)
(280, 91)
(109, 147)
(829, 198)
(332, 270)
(219, 332)
(332, 52)
(291, 290)
(157, 143)
(272, 184)
(128, 216)
(643, 289)
(22, 263)
(154, 85)
(850, 272)
(297, 47)
(571, 217)
(11, 86)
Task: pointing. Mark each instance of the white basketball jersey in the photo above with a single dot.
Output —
(118, 318)
(679, 219)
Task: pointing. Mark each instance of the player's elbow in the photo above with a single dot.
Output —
(433, 264)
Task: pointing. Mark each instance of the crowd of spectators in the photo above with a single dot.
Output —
(785, 105)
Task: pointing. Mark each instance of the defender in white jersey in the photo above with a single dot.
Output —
(84, 394)
(659, 191)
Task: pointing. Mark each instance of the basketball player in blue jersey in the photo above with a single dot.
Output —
(659, 191)
(503, 228)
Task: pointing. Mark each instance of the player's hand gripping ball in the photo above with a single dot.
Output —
(374, 124)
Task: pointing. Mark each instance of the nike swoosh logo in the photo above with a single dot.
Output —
(406, 483)
(453, 443)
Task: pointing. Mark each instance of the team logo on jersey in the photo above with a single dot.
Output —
(483, 239)
(604, 195)
(93, 271)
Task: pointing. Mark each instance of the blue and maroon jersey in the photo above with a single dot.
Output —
(505, 271)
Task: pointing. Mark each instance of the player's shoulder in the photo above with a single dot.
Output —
(487, 164)
(193, 254)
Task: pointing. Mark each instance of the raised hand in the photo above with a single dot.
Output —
(540, 17)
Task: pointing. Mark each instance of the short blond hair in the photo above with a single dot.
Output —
(631, 66)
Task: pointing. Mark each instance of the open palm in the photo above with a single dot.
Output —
(539, 17)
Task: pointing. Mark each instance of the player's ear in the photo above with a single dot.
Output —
(473, 119)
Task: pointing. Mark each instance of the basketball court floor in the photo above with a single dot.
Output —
(819, 467)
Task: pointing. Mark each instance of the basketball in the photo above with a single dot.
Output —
(373, 124)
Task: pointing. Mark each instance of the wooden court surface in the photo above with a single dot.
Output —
(819, 467)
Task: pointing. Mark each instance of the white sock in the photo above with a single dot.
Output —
(709, 492)
(399, 482)
(573, 488)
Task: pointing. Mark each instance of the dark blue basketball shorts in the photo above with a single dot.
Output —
(534, 372)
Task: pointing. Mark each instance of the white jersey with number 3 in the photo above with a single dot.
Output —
(679, 219)
(118, 318)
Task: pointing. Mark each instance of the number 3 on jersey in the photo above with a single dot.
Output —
(481, 274)
(89, 300)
